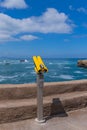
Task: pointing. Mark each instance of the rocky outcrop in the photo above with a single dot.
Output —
(82, 63)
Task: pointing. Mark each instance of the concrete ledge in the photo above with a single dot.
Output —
(14, 110)
(17, 91)
(65, 87)
(21, 91)
(18, 102)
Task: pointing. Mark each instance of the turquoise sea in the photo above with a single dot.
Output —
(12, 71)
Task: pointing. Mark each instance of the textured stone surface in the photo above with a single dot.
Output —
(76, 120)
(14, 110)
(18, 102)
(82, 63)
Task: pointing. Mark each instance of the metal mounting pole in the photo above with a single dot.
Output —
(40, 83)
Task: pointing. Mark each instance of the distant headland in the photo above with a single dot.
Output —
(82, 63)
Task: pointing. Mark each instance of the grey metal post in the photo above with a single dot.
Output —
(40, 83)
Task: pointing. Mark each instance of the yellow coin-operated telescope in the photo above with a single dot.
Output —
(40, 68)
(39, 65)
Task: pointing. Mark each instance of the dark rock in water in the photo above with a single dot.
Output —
(24, 60)
(6, 63)
(82, 63)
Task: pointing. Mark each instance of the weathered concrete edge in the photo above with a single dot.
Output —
(46, 84)
(50, 109)
(21, 91)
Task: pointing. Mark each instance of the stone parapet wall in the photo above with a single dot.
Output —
(21, 91)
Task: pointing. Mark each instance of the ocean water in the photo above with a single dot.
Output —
(13, 71)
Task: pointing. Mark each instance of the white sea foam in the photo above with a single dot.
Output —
(33, 72)
(1, 62)
(59, 63)
(23, 74)
(26, 60)
(55, 73)
(63, 63)
(78, 72)
(11, 77)
(66, 76)
(7, 77)
(2, 78)
(85, 75)
(53, 76)
(50, 63)
(28, 67)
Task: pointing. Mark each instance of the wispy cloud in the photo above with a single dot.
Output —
(10, 4)
(28, 37)
(84, 25)
(71, 7)
(6, 37)
(66, 40)
(80, 9)
(51, 21)
(80, 36)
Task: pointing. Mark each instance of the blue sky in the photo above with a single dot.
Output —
(49, 28)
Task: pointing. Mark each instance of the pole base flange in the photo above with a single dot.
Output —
(40, 121)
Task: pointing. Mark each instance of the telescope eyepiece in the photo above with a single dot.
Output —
(41, 66)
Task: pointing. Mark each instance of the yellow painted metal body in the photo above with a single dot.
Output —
(39, 65)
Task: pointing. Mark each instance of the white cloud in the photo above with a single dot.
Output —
(7, 37)
(28, 37)
(18, 4)
(71, 7)
(81, 9)
(80, 36)
(66, 40)
(50, 21)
